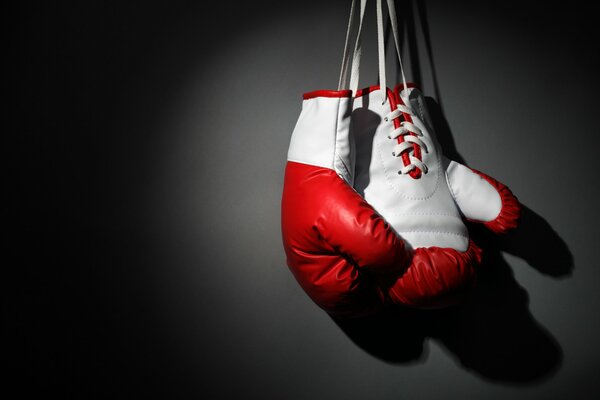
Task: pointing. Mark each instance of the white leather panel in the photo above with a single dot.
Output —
(476, 197)
(422, 211)
(321, 136)
(430, 229)
(345, 157)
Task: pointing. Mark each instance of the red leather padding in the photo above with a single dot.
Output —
(347, 258)
(510, 213)
(332, 236)
(435, 278)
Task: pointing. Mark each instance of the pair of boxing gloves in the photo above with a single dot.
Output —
(373, 213)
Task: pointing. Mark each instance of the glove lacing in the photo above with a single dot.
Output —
(408, 137)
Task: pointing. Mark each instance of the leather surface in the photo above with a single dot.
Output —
(477, 199)
(320, 136)
(437, 277)
(510, 211)
(425, 209)
(343, 253)
(348, 260)
(422, 211)
(331, 237)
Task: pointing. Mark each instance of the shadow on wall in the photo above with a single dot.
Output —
(493, 334)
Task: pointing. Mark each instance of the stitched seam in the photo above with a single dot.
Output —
(335, 152)
(452, 191)
(393, 187)
(343, 165)
(421, 111)
(502, 202)
(337, 121)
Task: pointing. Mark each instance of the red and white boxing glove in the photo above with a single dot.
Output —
(402, 173)
(330, 234)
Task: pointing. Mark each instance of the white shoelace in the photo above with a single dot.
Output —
(411, 135)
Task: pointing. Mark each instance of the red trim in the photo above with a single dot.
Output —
(399, 87)
(510, 213)
(327, 93)
(348, 93)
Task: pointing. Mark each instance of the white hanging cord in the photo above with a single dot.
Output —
(354, 75)
(343, 71)
(356, 56)
(357, 48)
(381, 52)
(394, 21)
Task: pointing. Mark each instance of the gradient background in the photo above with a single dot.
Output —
(148, 141)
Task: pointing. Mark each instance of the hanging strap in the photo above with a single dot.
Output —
(381, 52)
(381, 45)
(343, 71)
(356, 56)
(394, 22)
(357, 48)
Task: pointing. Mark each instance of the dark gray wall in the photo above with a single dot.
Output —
(150, 142)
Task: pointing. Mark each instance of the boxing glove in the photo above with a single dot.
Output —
(334, 241)
(401, 172)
